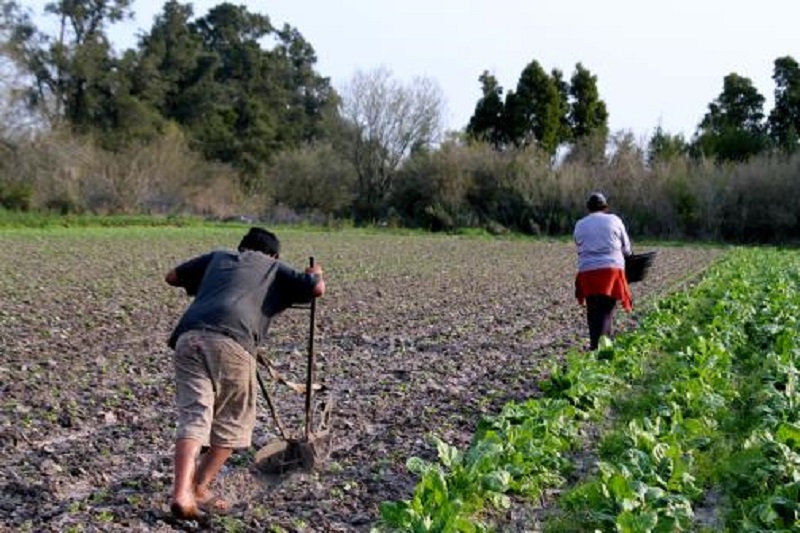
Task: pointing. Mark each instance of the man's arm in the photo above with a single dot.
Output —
(189, 274)
(299, 286)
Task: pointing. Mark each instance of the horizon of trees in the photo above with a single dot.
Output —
(184, 62)
(241, 103)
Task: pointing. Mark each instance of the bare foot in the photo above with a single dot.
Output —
(188, 511)
(212, 503)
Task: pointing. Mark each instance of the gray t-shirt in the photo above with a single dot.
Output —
(238, 293)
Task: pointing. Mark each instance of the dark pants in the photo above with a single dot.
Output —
(599, 315)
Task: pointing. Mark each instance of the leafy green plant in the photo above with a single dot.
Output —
(725, 384)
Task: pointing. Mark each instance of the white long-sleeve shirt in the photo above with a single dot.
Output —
(602, 241)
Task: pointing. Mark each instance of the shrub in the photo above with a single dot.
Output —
(312, 178)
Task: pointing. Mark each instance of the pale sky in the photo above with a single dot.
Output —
(656, 62)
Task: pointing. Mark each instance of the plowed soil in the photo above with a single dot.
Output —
(417, 335)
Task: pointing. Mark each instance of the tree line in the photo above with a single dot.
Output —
(225, 113)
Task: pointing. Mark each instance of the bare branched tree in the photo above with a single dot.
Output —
(391, 120)
(18, 118)
(18, 121)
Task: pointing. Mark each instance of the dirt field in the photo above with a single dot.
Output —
(418, 335)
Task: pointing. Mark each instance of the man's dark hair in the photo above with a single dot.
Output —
(261, 240)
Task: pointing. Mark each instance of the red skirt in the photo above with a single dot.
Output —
(603, 281)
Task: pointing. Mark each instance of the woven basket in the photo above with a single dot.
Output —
(637, 265)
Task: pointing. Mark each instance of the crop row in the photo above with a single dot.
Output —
(703, 401)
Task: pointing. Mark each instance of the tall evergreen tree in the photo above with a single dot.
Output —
(534, 111)
(562, 85)
(486, 123)
(733, 129)
(240, 103)
(170, 59)
(311, 101)
(784, 120)
(588, 114)
(75, 74)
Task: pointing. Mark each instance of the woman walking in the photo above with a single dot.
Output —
(603, 243)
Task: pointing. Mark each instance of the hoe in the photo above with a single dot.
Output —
(308, 448)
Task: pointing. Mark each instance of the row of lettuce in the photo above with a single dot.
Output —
(692, 423)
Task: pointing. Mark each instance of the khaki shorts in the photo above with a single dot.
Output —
(215, 382)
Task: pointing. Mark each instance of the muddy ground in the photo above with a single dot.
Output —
(417, 336)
